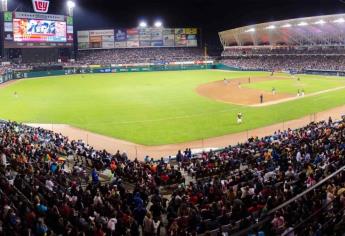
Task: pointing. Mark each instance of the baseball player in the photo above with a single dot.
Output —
(239, 118)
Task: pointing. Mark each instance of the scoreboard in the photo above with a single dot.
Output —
(33, 30)
(137, 38)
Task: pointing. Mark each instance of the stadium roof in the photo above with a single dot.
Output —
(318, 30)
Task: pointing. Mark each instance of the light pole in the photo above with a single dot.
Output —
(4, 5)
(142, 24)
(70, 7)
(158, 24)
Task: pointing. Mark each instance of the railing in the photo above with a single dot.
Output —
(269, 216)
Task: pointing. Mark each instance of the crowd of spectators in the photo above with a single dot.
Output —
(295, 63)
(247, 181)
(297, 59)
(139, 55)
(39, 196)
(51, 185)
(282, 50)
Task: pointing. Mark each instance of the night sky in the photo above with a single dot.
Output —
(210, 15)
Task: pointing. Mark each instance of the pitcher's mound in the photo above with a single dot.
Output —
(234, 93)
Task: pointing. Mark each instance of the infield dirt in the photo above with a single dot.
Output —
(232, 91)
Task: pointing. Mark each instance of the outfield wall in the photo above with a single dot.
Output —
(115, 69)
(89, 70)
(79, 70)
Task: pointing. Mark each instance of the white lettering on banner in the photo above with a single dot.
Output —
(101, 32)
(40, 6)
(28, 15)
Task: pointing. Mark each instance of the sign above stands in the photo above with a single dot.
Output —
(40, 6)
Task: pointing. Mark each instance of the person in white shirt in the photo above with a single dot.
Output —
(111, 225)
(49, 184)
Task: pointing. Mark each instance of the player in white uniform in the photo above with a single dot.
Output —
(239, 118)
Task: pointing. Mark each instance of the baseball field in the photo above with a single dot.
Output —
(155, 108)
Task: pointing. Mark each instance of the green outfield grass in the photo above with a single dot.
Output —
(153, 108)
(291, 85)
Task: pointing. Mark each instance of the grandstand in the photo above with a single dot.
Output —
(139, 55)
(324, 30)
(295, 44)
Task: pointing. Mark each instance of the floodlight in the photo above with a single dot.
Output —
(251, 30)
(142, 24)
(158, 24)
(320, 22)
(70, 4)
(271, 27)
(340, 20)
(286, 26)
(302, 23)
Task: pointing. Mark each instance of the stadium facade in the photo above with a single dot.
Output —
(326, 30)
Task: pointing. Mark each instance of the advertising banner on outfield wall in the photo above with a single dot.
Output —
(83, 39)
(133, 34)
(120, 44)
(169, 40)
(192, 43)
(157, 43)
(101, 32)
(108, 45)
(180, 40)
(95, 39)
(83, 33)
(168, 31)
(108, 38)
(157, 34)
(179, 31)
(190, 30)
(82, 45)
(140, 37)
(145, 43)
(95, 45)
(133, 44)
(120, 35)
(145, 34)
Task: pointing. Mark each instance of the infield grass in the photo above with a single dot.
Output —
(154, 108)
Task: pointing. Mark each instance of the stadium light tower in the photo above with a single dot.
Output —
(158, 24)
(70, 7)
(142, 24)
(4, 5)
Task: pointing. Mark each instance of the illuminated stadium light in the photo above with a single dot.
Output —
(158, 24)
(142, 24)
(302, 24)
(320, 22)
(3, 5)
(70, 7)
(286, 26)
(70, 4)
(250, 30)
(271, 27)
(340, 20)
